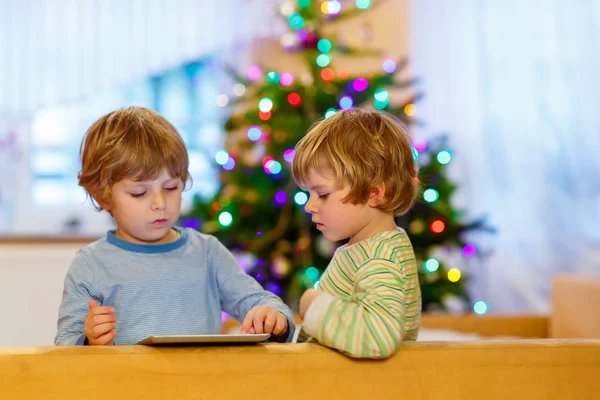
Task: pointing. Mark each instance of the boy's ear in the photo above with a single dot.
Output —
(103, 204)
(377, 195)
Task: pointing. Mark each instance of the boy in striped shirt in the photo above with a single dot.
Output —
(359, 170)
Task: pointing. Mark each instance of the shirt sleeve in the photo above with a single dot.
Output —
(74, 306)
(370, 324)
(239, 292)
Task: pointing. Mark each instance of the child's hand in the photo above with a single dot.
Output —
(264, 319)
(99, 324)
(306, 300)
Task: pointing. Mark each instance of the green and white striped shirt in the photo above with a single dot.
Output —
(371, 298)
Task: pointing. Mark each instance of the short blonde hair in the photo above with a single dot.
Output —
(363, 148)
(131, 143)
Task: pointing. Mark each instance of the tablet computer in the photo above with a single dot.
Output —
(199, 339)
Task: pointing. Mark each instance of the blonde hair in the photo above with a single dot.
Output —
(363, 148)
(135, 143)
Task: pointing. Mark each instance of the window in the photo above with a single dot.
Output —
(184, 95)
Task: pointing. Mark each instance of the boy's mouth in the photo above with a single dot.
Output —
(319, 225)
(159, 222)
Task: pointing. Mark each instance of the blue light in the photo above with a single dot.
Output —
(431, 195)
(431, 265)
(363, 4)
(346, 102)
(444, 157)
(480, 307)
(300, 198)
(274, 167)
(221, 157)
(229, 165)
(254, 133)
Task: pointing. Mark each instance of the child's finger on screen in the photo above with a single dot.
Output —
(258, 321)
(247, 324)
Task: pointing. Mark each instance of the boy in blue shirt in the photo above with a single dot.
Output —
(150, 277)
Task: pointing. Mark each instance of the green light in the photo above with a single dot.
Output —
(330, 112)
(380, 105)
(431, 195)
(324, 46)
(225, 218)
(444, 157)
(273, 77)
(296, 20)
(312, 273)
(381, 95)
(303, 3)
(323, 60)
(265, 104)
(431, 265)
(363, 4)
(415, 153)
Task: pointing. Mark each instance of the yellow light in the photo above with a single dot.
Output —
(410, 110)
(239, 89)
(324, 7)
(454, 275)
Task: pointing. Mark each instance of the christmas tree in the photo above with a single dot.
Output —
(259, 212)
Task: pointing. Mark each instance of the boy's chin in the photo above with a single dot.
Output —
(159, 235)
(333, 238)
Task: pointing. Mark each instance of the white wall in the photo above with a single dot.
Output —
(31, 285)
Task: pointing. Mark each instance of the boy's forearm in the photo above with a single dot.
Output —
(357, 329)
(70, 340)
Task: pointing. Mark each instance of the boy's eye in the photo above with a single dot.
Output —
(137, 194)
(324, 196)
(172, 188)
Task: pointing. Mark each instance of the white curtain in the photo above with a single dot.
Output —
(56, 51)
(517, 85)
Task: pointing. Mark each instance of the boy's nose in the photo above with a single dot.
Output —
(310, 207)
(159, 203)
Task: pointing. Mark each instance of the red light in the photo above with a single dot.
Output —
(438, 226)
(267, 159)
(327, 74)
(264, 115)
(294, 99)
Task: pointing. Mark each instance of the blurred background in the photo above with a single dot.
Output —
(500, 98)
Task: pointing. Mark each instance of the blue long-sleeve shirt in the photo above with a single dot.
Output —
(179, 288)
